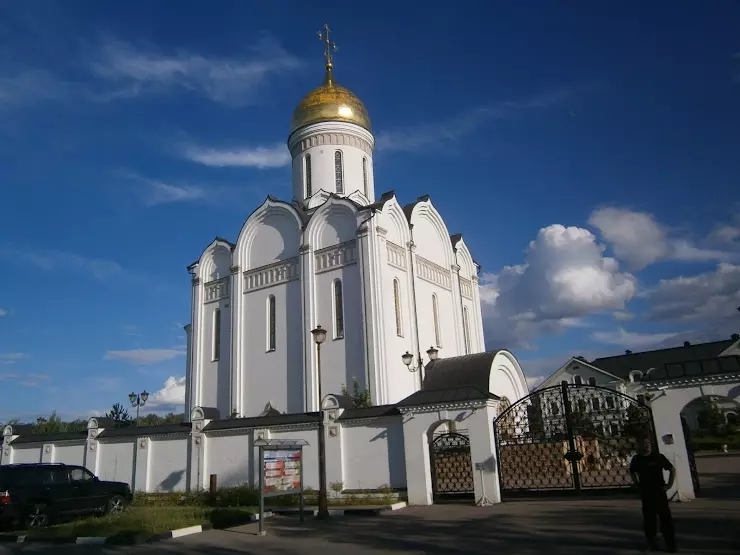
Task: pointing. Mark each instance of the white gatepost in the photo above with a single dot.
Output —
(141, 471)
(199, 419)
(483, 454)
(419, 424)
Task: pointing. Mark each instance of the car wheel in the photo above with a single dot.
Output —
(116, 504)
(37, 517)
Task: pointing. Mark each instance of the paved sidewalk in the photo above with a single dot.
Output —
(585, 527)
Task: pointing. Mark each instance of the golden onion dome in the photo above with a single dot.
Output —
(330, 102)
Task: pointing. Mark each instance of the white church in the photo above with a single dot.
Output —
(382, 278)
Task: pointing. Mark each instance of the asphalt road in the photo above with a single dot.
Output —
(705, 527)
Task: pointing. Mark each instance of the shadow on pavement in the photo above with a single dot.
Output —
(586, 527)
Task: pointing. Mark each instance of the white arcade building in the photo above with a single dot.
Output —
(382, 278)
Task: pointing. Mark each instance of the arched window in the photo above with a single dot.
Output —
(397, 306)
(338, 310)
(338, 172)
(216, 334)
(466, 330)
(635, 376)
(271, 339)
(564, 382)
(578, 380)
(554, 408)
(307, 170)
(435, 311)
(364, 175)
(592, 381)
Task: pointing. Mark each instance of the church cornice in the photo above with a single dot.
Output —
(690, 381)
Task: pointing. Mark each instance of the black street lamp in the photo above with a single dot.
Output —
(138, 400)
(407, 358)
(319, 336)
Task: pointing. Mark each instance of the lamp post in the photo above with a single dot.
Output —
(138, 400)
(408, 358)
(319, 336)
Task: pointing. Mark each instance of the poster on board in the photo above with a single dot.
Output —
(282, 471)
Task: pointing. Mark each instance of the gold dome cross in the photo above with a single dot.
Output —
(330, 45)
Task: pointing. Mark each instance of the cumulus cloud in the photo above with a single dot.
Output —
(144, 356)
(638, 239)
(707, 298)
(260, 157)
(565, 277)
(171, 394)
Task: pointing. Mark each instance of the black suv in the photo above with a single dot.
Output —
(33, 494)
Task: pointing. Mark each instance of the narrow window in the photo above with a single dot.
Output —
(435, 310)
(364, 175)
(338, 172)
(564, 382)
(216, 334)
(554, 408)
(338, 310)
(592, 381)
(271, 323)
(307, 169)
(397, 305)
(610, 403)
(596, 404)
(578, 380)
(614, 429)
(466, 330)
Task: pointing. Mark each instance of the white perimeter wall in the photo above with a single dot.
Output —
(363, 454)
(372, 454)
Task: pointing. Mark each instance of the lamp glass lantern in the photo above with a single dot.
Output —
(319, 335)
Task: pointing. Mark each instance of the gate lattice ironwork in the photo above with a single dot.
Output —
(452, 466)
(570, 438)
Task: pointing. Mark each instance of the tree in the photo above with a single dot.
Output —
(637, 425)
(51, 425)
(360, 398)
(119, 414)
(710, 418)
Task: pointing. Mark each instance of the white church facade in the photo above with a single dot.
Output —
(382, 278)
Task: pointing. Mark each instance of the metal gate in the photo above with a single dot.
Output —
(452, 467)
(690, 455)
(570, 438)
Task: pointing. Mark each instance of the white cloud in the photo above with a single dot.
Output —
(638, 239)
(3, 312)
(25, 379)
(232, 81)
(623, 338)
(261, 157)
(172, 393)
(52, 260)
(30, 86)
(144, 356)
(425, 135)
(710, 298)
(565, 278)
(11, 358)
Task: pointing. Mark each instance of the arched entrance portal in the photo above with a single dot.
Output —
(452, 467)
(712, 437)
(569, 438)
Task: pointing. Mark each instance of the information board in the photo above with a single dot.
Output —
(282, 471)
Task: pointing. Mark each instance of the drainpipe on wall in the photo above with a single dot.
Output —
(413, 299)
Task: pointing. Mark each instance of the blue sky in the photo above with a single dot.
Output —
(587, 153)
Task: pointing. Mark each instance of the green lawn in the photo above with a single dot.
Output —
(145, 521)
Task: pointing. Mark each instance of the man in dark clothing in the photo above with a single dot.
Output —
(647, 469)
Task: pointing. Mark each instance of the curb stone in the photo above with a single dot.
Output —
(357, 511)
(122, 539)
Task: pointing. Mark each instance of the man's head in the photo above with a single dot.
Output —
(645, 446)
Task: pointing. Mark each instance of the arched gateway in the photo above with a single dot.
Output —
(569, 438)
